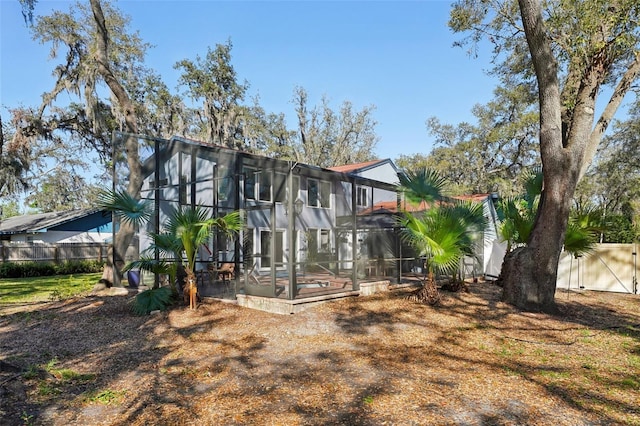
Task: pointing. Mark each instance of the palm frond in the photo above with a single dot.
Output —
(423, 185)
(167, 245)
(151, 265)
(584, 227)
(157, 299)
(533, 185)
(125, 207)
(444, 234)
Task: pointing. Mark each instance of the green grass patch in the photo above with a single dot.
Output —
(66, 374)
(630, 383)
(106, 397)
(42, 289)
(48, 389)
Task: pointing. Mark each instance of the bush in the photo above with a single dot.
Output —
(39, 269)
(79, 267)
(10, 270)
(44, 269)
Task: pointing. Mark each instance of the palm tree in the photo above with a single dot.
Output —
(518, 216)
(519, 213)
(583, 230)
(443, 233)
(188, 228)
(191, 227)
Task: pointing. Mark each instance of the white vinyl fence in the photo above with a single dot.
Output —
(610, 267)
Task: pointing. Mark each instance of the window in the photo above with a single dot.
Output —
(325, 240)
(249, 183)
(280, 187)
(224, 188)
(318, 193)
(265, 186)
(247, 247)
(361, 196)
(265, 248)
(318, 241)
(182, 190)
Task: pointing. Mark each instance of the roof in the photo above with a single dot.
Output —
(42, 221)
(149, 164)
(392, 206)
(350, 168)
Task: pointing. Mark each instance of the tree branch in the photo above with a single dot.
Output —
(607, 115)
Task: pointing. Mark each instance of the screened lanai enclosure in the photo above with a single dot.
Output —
(307, 231)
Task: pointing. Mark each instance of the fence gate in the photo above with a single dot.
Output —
(610, 267)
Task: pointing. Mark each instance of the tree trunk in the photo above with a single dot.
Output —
(126, 232)
(529, 274)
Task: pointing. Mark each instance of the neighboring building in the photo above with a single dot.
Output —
(57, 236)
(72, 226)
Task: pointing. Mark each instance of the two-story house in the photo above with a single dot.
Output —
(300, 237)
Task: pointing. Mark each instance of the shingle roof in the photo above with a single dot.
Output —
(392, 206)
(348, 168)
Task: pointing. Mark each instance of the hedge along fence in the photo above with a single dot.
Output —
(43, 269)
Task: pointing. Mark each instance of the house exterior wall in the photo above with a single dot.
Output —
(214, 177)
(384, 172)
(63, 237)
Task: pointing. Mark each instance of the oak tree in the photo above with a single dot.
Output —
(575, 49)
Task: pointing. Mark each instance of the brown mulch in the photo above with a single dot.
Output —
(377, 360)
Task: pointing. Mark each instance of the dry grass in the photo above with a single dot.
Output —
(365, 361)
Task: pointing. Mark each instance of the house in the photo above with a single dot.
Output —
(57, 236)
(296, 241)
(72, 226)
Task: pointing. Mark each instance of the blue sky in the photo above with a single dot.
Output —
(397, 56)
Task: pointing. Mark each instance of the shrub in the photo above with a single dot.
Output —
(156, 299)
(39, 269)
(79, 267)
(10, 270)
(44, 269)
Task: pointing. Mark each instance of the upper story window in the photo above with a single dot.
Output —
(249, 183)
(318, 193)
(224, 186)
(182, 190)
(264, 187)
(257, 184)
(361, 196)
(280, 187)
